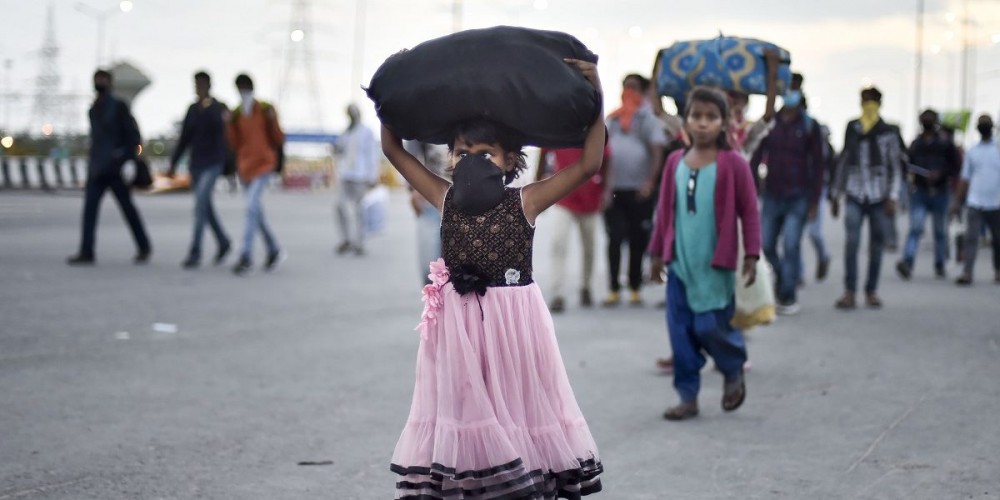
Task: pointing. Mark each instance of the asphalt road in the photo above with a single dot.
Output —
(315, 363)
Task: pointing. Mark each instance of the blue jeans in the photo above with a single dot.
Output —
(203, 182)
(785, 217)
(428, 237)
(692, 333)
(255, 218)
(878, 222)
(814, 230)
(922, 202)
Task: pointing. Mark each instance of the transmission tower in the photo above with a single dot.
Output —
(48, 109)
(300, 55)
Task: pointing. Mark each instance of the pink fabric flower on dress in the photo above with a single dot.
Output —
(432, 297)
(439, 273)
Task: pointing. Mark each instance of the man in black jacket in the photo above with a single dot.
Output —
(204, 131)
(934, 163)
(114, 139)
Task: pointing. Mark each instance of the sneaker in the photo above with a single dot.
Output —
(846, 302)
(81, 260)
(343, 248)
(191, 262)
(964, 280)
(940, 273)
(243, 267)
(142, 257)
(220, 256)
(612, 300)
(634, 299)
(904, 271)
(822, 269)
(358, 251)
(585, 299)
(274, 259)
(558, 305)
(682, 411)
(788, 308)
(873, 301)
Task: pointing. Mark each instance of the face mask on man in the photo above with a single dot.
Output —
(479, 184)
(793, 98)
(101, 87)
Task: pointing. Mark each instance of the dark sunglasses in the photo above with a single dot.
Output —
(692, 185)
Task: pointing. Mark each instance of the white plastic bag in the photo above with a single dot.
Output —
(374, 206)
(755, 304)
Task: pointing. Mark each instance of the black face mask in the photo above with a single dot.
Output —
(479, 184)
(100, 88)
(985, 130)
(928, 124)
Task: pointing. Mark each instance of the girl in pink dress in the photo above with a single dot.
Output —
(493, 415)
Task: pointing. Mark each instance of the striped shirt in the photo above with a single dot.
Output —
(869, 167)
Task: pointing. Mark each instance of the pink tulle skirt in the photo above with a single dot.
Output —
(493, 415)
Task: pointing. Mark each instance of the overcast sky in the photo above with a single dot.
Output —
(839, 46)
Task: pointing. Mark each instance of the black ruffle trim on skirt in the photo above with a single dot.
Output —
(509, 481)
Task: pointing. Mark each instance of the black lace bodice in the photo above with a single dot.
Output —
(498, 242)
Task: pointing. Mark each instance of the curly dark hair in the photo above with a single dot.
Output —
(483, 131)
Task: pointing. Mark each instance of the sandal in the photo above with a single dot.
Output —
(665, 365)
(682, 411)
(846, 302)
(734, 393)
(872, 301)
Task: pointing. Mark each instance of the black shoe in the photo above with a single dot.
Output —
(220, 256)
(274, 259)
(343, 248)
(142, 257)
(243, 267)
(191, 262)
(940, 273)
(585, 299)
(822, 269)
(358, 251)
(557, 305)
(81, 260)
(904, 270)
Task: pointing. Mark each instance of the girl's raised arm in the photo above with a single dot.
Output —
(543, 194)
(429, 185)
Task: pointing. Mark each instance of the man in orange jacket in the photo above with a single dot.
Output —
(257, 141)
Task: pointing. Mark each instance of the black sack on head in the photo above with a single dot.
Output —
(513, 76)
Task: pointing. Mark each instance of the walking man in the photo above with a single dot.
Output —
(581, 209)
(979, 190)
(867, 174)
(114, 139)
(934, 162)
(204, 133)
(793, 154)
(637, 142)
(257, 140)
(357, 172)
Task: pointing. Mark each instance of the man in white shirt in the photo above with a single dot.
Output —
(357, 165)
(979, 190)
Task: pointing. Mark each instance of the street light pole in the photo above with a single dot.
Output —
(101, 16)
(919, 76)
